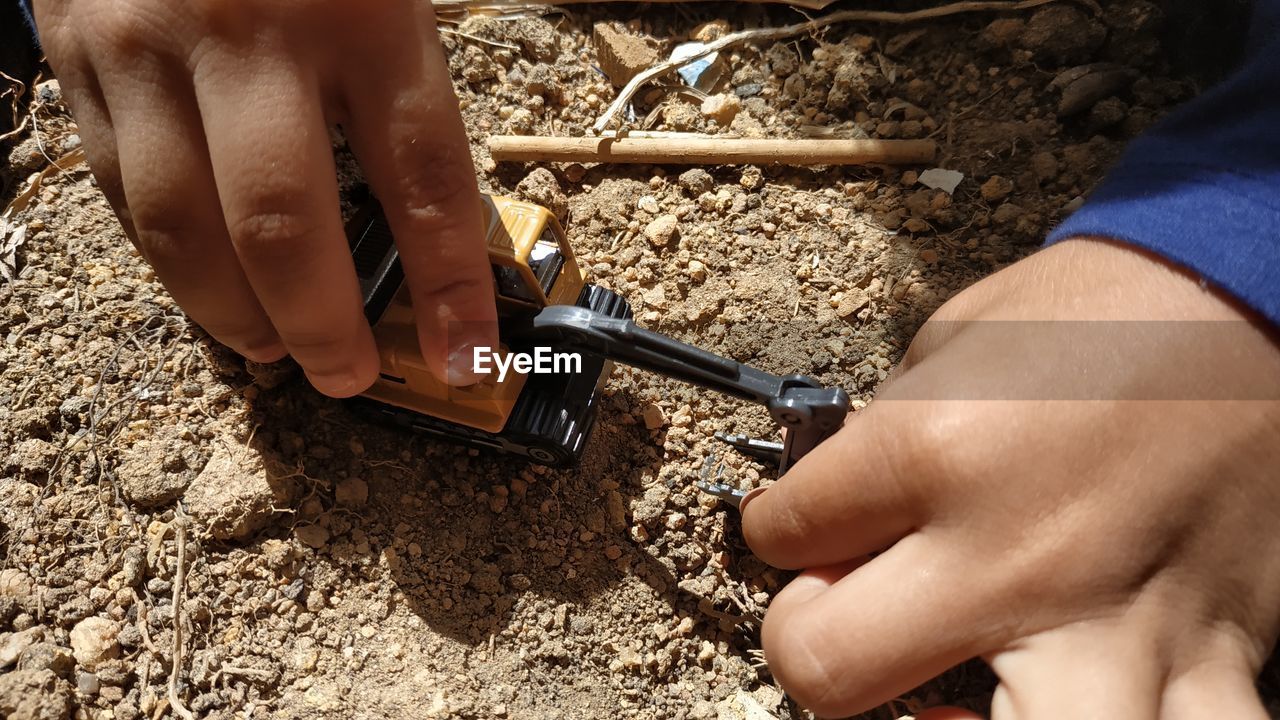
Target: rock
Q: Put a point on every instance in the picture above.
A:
(313, 536)
(996, 189)
(616, 510)
(1044, 165)
(18, 587)
(851, 302)
(87, 683)
(521, 121)
(709, 31)
(352, 492)
(696, 181)
(13, 644)
(542, 187)
(486, 578)
(49, 92)
(25, 158)
(542, 81)
(662, 230)
(622, 56)
(654, 417)
(1106, 113)
(477, 66)
(93, 641)
(1006, 214)
(682, 116)
(697, 270)
(1082, 87)
(1063, 34)
(35, 695)
(133, 569)
(32, 459)
(1002, 33)
(721, 108)
(649, 204)
(915, 225)
(152, 473)
(47, 656)
(237, 492)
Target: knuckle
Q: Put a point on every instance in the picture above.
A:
(267, 235)
(322, 343)
(451, 289)
(127, 29)
(162, 238)
(432, 201)
(936, 444)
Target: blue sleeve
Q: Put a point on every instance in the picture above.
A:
(24, 6)
(1202, 188)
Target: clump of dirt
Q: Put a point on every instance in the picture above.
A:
(336, 568)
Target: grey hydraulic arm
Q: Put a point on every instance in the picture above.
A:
(809, 412)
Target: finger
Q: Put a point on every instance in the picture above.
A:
(842, 644)
(173, 202)
(845, 498)
(83, 94)
(273, 165)
(1097, 669)
(1213, 689)
(405, 128)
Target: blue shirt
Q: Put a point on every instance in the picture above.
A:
(1202, 187)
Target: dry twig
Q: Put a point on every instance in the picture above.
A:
(179, 595)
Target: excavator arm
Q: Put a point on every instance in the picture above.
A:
(807, 411)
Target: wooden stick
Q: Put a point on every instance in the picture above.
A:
(710, 150)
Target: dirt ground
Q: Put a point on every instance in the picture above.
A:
(338, 569)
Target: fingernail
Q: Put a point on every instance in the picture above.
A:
(461, 370)
(755, 493)
(339, 384)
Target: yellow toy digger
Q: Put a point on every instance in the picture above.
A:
(544, 301)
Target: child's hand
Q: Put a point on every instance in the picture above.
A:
(207, 126)
(1113, 557)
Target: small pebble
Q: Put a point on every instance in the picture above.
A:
(654, 417)
(313, 536)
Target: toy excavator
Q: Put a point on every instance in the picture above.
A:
(544, 301)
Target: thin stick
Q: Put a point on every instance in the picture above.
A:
(704, 150)
(477, 38)
(179, 582)
(624, 95)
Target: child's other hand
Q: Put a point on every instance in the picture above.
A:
(1114, 557)
(207, 126)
